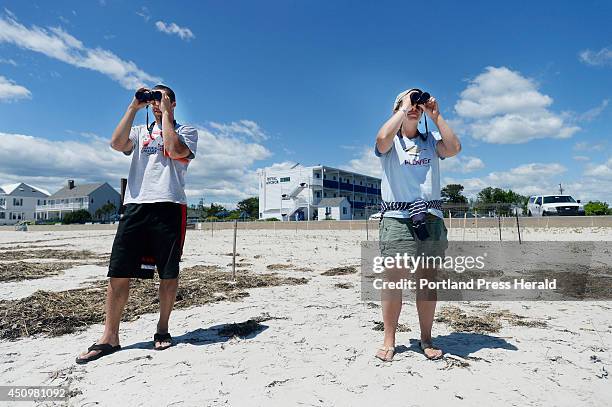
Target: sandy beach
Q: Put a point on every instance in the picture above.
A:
(315, 342)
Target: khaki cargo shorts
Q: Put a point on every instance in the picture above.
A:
(397, 236)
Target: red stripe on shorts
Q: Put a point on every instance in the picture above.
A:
(183, 226)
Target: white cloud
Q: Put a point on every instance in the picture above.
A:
(596, 58)
(587, 146)
(590, 190)
(223, 171)
(9, 90)
(8, 61)
(591, 114)
(581, 158)
(501, 106)
(183, 32)
(460, 163)
(144, 13)
(10, 13)
(526, 179)
(366, 163)
(223, 168)
(282, 166)
(58, 44)
(600, 170)
(243, 127)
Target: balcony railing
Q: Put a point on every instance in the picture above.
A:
(70, 206)
(317, 182)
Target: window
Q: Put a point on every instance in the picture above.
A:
(334, 177)
(344, 211)
(318, 194)
(285, 179)
(327, 210)
(2, 215)
(317, 175)
(2, 201)
(531, 199)
(325, 195)
(539, 201)
(18, 202)
(559, 199)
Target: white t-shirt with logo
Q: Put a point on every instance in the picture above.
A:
(155, 177)
(410, 171)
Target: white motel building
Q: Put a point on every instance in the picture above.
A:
(317, 193)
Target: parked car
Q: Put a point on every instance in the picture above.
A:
(554, 205)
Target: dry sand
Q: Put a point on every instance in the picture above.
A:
(317, 348)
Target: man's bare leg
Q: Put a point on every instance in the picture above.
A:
(116, 297)
(167, 296)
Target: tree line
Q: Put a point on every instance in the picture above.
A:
(502, 201)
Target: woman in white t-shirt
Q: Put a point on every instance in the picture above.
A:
(412, 221)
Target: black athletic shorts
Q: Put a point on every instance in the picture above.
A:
(149, 236)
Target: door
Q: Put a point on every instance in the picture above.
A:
(538, 206)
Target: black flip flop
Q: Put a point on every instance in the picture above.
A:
(104, 348)
(162, 338)
(428, 345)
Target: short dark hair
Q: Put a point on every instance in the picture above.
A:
(169, 91)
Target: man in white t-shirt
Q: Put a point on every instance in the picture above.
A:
(411, 221)
(151, 232)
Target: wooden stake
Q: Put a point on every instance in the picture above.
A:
(234, 251)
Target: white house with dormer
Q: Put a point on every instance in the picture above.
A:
(18, 202)
(73, 197)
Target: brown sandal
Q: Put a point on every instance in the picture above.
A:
(384, 350)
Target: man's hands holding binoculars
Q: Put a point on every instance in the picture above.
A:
(145, 96)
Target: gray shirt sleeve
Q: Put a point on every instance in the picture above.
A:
(189, 136)
(436, 138)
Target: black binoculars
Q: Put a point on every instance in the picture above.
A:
(146, 95)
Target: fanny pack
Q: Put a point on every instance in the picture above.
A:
(417, 211)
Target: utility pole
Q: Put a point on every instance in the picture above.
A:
(560, 189)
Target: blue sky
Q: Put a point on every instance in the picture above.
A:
(526, 86)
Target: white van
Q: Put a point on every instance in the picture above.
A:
(551, 205)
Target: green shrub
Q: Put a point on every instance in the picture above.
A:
(80, 216)
(594, 208)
